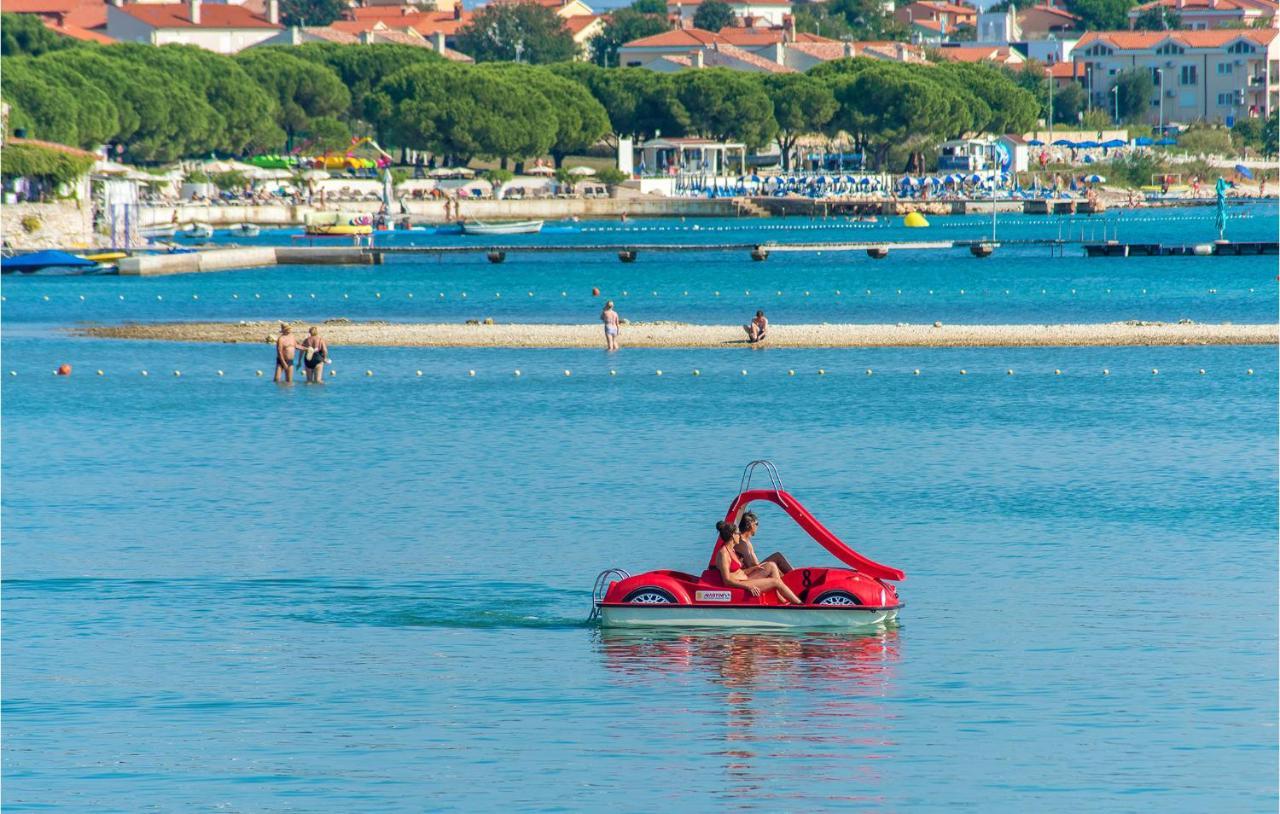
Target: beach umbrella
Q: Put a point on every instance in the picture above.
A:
(1113, 143)
(1143, 141)
(1094, 179)
(388, 191)
(1062, 142)
(755, 178)
(542, 169)
(1088, 145)
(581, 171)
(1221, 220)
(1035, 142)
(1245, 171)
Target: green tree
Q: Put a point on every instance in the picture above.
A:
(463, 113)
(1102, 15)
(801, 104)
(623, 26)
(48, 108)
(1158, 18)
(639, 102)
(1136, 90)
(1271, 136)
(310, 12)
(328, 134)
(868, 19)
(516, 32)
(713, 15)
(361, 69)
(649, 7)
(817, 18)
(885, 105)
(1012, 109)
(1069, 102)
(26, 34)
(302, 89)
(96, 117)
(726, 104)
(580, 119)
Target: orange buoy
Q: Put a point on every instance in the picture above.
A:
(64, 370)
(595, 292)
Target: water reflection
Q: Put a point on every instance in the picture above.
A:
(782, 713)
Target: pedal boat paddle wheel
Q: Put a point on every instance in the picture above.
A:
(856, 597)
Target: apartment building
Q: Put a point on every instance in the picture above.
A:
(1215, 75)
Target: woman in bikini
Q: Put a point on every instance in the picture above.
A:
(747, 528)
(759, 578)
(316, 350)
(610, 319)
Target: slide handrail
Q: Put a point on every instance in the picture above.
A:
(820, 533)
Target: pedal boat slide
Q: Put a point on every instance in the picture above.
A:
(855, 598)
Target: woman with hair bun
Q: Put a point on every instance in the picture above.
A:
(764, 578)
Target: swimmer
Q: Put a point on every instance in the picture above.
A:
(286, 345)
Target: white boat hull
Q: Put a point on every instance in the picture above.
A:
(522, 228)
(773, 617)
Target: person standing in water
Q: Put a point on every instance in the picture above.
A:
(317, 351)
(286, 346)
(610, 319)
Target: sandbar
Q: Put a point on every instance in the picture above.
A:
(684, 335)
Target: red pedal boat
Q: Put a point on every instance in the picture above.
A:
(857, 597)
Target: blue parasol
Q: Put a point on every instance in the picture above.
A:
(1035, 142)
(1143, 141)
(1114, 142)
(1245, 171)
(1063, 142)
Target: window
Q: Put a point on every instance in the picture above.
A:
(1224, 68)
(1225, 99)
(1241, 48)
(1188, 76)
(1170, 48)
(1098, 51)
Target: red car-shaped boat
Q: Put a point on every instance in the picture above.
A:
(858, 596)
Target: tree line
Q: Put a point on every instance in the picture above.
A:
(158, 104)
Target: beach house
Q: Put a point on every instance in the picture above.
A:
(221, 27)
(1215, 75)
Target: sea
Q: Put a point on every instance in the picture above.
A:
(222, 594)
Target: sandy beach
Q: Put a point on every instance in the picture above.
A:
(683, 335)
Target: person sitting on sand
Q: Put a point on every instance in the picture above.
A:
(759, 578)
(317, 350)
(610, 319)
(757, 328)
(286, 345)
(747, 528)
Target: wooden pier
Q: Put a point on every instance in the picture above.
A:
(1221, 248)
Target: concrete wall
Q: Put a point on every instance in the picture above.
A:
(432, 211)
(63, 225)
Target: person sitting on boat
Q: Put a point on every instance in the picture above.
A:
(756, 579)
(757, 328)
(747, 528)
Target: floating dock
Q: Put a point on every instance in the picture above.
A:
(1220, 248)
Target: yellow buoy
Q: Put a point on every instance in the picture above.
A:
(915, 220)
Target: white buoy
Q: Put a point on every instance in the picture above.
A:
(1201, 371)
(46, 298)
(233, 296)
(868, 371)
(517, 373)
(1057, 372)
(1154, 371)
(409, 295)
(259, 372)
(144, 373)
(418, 372)
(290, 296)
(497, 295)
(821, 372)
(916, 372)
(177, 373)
(1009, 372)
(122, 296)
(13, 373)
(613, 373)
(659, 373)
(471, 373)
(1106, 372)
(567, 373)
(697, 372)
(220, 373)
(791, 373)
(100, 373)
(1249, 372)
(368, 373)
(964, 372)
(376, 294)
(193, 296)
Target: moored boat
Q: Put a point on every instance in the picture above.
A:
(519, 227)
(245, 230)
(338, 223)
(858, 597)
(197, 231)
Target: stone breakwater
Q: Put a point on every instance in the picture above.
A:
(681, 335)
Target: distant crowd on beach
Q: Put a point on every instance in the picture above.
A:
(311, 355)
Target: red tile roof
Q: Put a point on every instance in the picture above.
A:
(755, 60)
(1066, 70)
(212, 15)
(671, 4)
(752, 37)
(977, 54)
(425, 23)
(78, 33)
(1048, 9)
(578, 23)
(679, 38)
(825, 51)
(1144, 40)
(78, 13)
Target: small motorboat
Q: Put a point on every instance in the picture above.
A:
(518, 227)
(197, 231)
(158, 232)
(857, 597)
(337, 224)
(245, 230)
(48, 259)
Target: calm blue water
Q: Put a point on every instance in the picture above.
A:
(226, 595)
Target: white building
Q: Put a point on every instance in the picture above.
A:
(220, 27)
(753, 12)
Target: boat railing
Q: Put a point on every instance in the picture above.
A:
(772, 471)
(601, 587)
